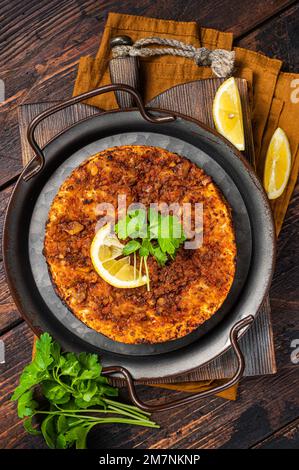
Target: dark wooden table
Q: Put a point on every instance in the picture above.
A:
(40, 44)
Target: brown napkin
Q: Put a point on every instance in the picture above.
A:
(158, 73)
(271, 103)
(284, 113)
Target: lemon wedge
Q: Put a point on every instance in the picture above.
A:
(277, 164)
(227, 113)
(110, 264)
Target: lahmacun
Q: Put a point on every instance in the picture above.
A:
(184, 293)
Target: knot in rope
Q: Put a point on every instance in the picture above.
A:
(220, 60)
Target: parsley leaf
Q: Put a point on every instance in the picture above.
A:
(160, 256)
(29, 427)
(75, 396)
(71, 366)
(26, 404)
(131, 247)
(159, 236)
(55, 392)
(43, 357)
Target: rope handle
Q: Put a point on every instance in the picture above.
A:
(221, 61)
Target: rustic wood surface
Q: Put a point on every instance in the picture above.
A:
(40, 43)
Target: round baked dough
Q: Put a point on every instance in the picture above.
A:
(185, 292)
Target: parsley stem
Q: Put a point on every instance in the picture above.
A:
(137, 413)
(65, 386)
(149, 424)
(134, 255)
(125, 405)
(72, 414)
(114, 407)
(147, 274)
(128, 413)
(94, 420)
(132, 412)
(140, 266)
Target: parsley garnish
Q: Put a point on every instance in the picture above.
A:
(76, 397)
(157, 235)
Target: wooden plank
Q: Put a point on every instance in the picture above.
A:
(284, 293)
(36, 24)
(4, 198)
(42, 41)
(18, 347)
(10, 151)
(277, 38)
(9, 316)
(51, 126)
(285, 438)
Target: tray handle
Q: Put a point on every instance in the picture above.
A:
(168, 405)
(39, 154)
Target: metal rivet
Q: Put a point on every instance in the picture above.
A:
(121, 41)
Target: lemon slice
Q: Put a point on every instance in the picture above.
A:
(227, 113)
(107, 259)
(277, 165)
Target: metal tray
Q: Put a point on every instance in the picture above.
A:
(27, 212)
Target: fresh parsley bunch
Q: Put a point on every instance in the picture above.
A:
(74, 396)
(157, 235)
